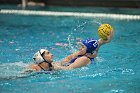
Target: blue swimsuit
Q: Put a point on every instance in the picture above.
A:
(72, 61)
(91, 44)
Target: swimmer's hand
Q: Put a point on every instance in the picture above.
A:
(109, 38)
(56, 65)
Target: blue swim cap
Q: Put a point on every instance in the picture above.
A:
(91, 45)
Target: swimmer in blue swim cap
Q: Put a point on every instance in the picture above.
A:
(91, 45)
(85, 55)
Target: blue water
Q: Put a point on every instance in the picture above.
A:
(115, 71)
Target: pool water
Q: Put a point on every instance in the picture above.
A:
(116, 69)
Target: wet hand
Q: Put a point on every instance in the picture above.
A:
(56, 65)
(109, 37)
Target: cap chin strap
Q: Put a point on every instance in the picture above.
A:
(50, 65)
(42, 56)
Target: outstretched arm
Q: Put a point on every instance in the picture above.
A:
(69, 57)
(80, 62)
(81, 51)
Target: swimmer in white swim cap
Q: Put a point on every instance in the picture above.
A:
(43, 60)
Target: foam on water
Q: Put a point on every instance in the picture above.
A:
(71, 39)
(12, 70)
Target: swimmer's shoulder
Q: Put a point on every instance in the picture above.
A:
(34, 67)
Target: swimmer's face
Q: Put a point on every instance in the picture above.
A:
(48, 56)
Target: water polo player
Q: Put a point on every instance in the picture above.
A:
(43, 61)
(88, 51)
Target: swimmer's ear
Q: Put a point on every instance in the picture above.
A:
(34, 59)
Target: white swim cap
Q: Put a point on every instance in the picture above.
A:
(38, 58)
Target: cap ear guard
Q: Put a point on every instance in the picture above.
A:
(42, 51)
(37, 57)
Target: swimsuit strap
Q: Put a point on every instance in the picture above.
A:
(41, 67)
(90, 58)
(72, 61)
(86, 56)
(50, 67)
